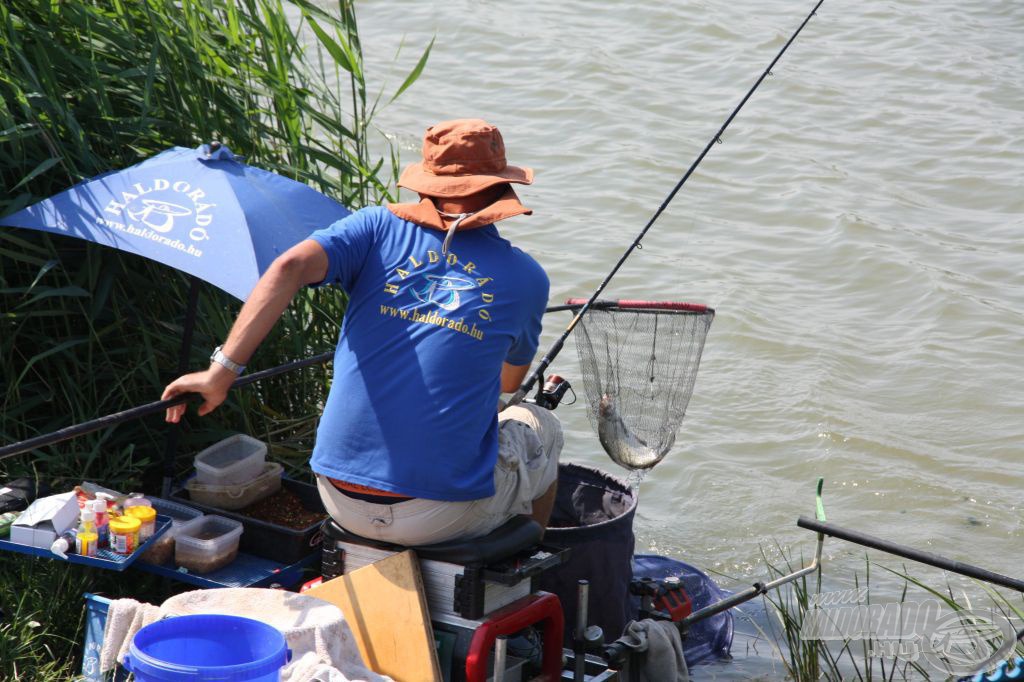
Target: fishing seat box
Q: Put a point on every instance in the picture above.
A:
(463, 579)
(268, 540)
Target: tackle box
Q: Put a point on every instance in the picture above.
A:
(270, 540)
(232, 461)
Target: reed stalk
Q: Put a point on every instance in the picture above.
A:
(96, 85)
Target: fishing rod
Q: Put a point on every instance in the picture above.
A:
(969, 570)
(556, 348)
(116, 418)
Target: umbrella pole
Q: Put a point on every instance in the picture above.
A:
(174, 430)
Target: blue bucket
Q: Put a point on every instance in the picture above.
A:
(207, 647)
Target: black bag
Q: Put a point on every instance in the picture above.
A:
(593, 516)
(20, 493)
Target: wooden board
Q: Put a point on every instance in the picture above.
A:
(386, 607)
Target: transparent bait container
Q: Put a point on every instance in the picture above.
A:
(207, 543)
(232, 461)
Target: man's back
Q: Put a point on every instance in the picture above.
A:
(417, 369)
(443, 315)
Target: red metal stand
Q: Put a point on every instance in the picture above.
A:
(540, 607)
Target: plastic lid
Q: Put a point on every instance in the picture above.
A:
(124, 524)
(88, 515)
(141, 513)
(99, 506)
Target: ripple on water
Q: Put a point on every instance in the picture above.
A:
(858, 233)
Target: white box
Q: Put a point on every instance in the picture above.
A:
(45, 519)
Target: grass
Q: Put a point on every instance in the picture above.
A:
(852, 659)
(95, 85)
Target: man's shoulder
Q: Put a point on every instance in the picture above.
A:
(530, 265)
(375, 214)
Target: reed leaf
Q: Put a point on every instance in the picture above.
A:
(91, 86)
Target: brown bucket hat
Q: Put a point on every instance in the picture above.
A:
(461, 157)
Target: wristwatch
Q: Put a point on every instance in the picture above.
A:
(224, 360)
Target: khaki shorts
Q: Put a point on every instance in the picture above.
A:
(529, 443)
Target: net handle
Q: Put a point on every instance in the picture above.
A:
(629, 304)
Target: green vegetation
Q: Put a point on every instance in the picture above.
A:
(852, 659)
(95, 85)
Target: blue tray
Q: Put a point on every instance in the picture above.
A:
(245, 571)
(104, 558)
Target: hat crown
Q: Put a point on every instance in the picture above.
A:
(466, 146)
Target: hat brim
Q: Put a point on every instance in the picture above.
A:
(422, 181)
(425, 212)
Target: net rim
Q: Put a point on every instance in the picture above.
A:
(678, 307)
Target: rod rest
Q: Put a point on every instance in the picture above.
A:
(517, 534)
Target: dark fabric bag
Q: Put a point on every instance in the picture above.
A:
(18, 494)
(593, 517)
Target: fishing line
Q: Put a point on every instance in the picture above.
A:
(556, 348)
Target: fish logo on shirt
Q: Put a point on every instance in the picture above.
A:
(443, 290)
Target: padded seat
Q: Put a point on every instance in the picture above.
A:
(516, 535)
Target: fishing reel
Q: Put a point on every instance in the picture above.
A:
(551, 393)
(663, 599)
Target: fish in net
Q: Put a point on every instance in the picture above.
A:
(639, 361)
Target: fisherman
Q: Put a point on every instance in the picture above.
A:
(444, 314)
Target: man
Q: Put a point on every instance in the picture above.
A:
(443, 315)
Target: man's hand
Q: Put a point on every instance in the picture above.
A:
(213, 385)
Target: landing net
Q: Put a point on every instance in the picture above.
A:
(639, 361)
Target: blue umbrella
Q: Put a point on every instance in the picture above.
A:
(201, 211)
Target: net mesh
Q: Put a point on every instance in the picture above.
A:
(639, 366)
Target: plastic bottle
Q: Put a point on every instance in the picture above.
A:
(147, 520)
(64, 544)
(124, 534)
(87, 540)
(99, 506)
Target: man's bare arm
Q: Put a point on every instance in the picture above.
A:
(304, 263)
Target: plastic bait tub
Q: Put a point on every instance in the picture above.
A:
(162, 550)
(207, 543)
(237, 496)
(232, 461)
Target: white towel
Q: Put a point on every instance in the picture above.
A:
(125, 617)
(317, 633)
(311, 667)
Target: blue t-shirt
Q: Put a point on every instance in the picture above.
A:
(417, 370)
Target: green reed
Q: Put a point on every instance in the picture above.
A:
(95, 85)
(852, 659)
(91, 86)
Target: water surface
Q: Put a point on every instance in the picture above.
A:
(858, 232)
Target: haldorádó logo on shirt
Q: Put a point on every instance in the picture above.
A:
(448, 291)
(443, 290)
(170, 207)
